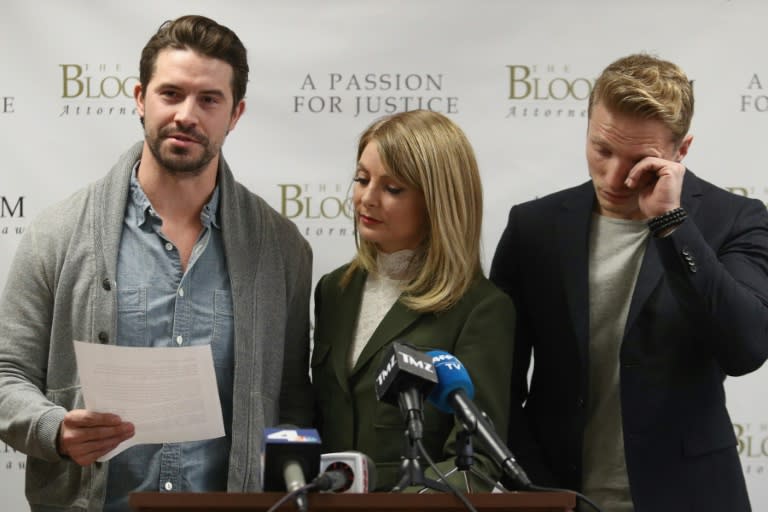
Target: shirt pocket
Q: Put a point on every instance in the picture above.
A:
(222, 337)
(132, 317)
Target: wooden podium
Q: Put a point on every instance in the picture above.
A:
(373, 502)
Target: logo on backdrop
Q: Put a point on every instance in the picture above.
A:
(377, 94)
(97, 91)
(752, 441)
(10, 459)
(318, 209)
(11, 215)
(7, 105)
(550, 91)
(755, 98)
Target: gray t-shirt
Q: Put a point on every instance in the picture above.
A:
(616, 250)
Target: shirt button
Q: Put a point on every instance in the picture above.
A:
(179, 340)
(106, 284)
(168, 246)
(103, 337)
(181, 292)
(168, 486)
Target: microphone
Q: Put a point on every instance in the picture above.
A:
(453, 394)
(291, 456)
(346, 472)
(404, 377)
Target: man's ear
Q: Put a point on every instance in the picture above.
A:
(682, 151)
(236, 113)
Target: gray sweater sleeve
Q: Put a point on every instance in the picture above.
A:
(296, 401)
(29, 421)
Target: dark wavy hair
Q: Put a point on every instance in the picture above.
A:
(201, 35)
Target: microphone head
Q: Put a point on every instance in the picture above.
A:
(334, 480)
(289, 445)
(358, 469)
(403, 368)
(452, 376)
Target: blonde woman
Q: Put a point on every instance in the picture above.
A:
(416, 277)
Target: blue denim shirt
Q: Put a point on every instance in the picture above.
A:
(160, 305)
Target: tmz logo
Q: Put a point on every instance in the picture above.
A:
(406, 360)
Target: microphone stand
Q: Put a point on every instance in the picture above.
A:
(411, 472)
(465, 460)
(465, 454)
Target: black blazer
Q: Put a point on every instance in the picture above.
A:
(478, 330)
(699, 312)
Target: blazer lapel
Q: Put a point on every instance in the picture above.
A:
(651, 269)
(397, 319)
(346, 312)
(647, 280)
(573, 235)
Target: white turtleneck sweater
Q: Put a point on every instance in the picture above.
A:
(381, 291)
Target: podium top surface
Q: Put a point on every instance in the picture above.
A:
(373, 502)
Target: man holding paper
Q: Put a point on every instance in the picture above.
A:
(167, 250)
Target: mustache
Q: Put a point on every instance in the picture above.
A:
(187, 131)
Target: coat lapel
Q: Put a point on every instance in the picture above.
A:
(346, 311)
(112, 198)
(573, 236)
(651, 269)
(397, 320)
(647, 280)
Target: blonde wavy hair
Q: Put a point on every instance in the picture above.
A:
(645, 86)
(427, 151)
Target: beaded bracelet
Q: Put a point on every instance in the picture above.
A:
(667, 220)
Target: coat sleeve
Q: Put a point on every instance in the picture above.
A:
(725, 286)
(521, 438)
(484, 346)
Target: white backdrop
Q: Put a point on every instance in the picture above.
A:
(513, 74)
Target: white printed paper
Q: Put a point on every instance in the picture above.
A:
(168, 393)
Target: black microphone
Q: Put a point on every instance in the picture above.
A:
(348, 472)
(332, 481)
(453, 394)
(291, 457)
(404, 377)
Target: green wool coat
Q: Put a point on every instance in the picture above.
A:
(478, 330)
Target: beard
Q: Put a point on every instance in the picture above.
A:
(179, 160)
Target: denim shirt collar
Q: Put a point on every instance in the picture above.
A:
(145, 212)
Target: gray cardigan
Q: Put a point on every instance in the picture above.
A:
(61, 287)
